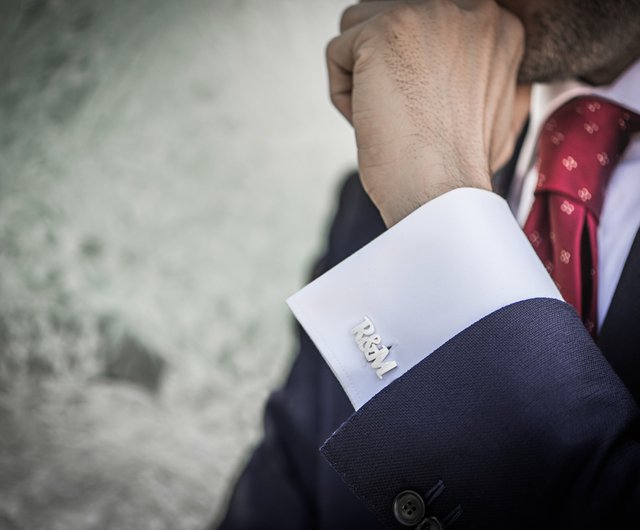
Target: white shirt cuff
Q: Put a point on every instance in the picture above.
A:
(450, 263)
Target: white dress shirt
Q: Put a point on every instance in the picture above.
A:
(454, 261)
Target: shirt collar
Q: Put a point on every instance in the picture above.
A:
(546, 98)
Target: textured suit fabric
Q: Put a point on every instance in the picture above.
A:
(520, 417)
(518, 422)
(620, 335)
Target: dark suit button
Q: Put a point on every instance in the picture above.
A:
(430, 523)
(408, 507)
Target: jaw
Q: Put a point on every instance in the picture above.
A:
(568, 39)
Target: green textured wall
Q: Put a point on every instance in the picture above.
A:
(166, 169)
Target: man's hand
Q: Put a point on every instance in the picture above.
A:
(430, 88)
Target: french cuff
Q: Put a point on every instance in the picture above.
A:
(455, 260)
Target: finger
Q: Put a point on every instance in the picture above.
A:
(359, 13)
(340, 62)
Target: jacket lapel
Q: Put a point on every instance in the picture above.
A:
(620, 335)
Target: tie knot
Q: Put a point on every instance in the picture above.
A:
(579, 146)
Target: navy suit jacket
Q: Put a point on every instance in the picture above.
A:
(518, 422)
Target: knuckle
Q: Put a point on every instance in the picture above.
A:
(519, 30)
(487, 6)
(330, 49)
(515, 31)
(348, 17)
(401, 16)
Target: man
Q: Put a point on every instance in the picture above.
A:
(482, 399)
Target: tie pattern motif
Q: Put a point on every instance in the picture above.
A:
(578, 148)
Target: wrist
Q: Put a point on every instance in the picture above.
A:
(399, 191)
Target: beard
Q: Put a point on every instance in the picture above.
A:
(586, 39)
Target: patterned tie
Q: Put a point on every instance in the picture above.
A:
(578, 148)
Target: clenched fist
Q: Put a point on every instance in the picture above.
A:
(430, 88)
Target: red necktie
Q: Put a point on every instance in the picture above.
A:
(578, 148)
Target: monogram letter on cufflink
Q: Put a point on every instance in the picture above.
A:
(368, 343)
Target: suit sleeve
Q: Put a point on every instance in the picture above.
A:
(515, 420)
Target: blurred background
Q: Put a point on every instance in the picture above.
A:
(166, 173)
